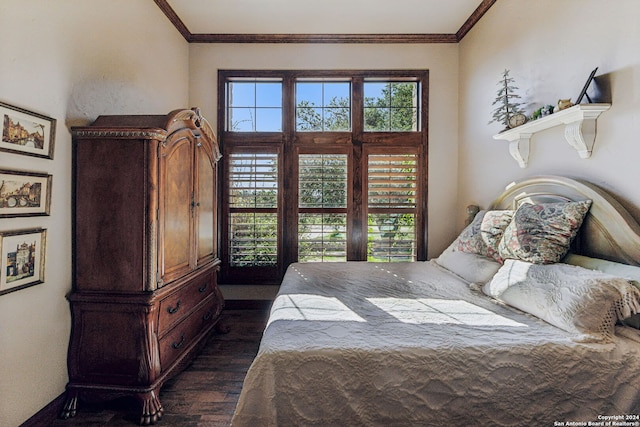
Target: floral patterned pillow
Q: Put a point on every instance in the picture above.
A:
(470, 240)
(484, 233)
(542, 233)
(492, 229)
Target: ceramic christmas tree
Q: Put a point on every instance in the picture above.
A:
(506, 106)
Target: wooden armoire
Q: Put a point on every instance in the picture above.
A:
(144, 295)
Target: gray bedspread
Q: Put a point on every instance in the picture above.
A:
(409, 344)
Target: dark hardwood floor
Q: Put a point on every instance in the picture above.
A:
(204, 394)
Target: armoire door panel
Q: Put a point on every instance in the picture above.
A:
(206, 206)
(99, 232)
(178, 198)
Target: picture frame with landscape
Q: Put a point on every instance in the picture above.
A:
(25, 132)
(24, 193)
(22, 258)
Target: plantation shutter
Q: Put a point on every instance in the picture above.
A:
(253, 202)
(391, 206)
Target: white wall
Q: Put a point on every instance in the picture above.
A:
(551, 46)
(440, 59)
(71, 60)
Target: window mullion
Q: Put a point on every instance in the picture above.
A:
(357, 108)
(288, 202)
(357, 244)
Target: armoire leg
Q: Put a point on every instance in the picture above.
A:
(151, 408)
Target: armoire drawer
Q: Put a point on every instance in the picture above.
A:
(183, 335)
(177, 306)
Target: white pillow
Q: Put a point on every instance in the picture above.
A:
(472, 268)
(510, 273)
(629, 272)
(585, 302)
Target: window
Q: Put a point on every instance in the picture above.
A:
(391, 205)
(322, 201)
(253, 202)
(321, 166)
(390, 106)
(323, 106)
(254, 106)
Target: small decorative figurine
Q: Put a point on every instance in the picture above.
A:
(517, 120)
(563, 104)
(542, 112)
(546, 110)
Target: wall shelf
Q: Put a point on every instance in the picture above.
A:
(579, 130)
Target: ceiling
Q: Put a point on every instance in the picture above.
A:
(328, 21)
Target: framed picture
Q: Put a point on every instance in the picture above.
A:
(24, 193)
(22, 255)
(25, 132)
(583, 92)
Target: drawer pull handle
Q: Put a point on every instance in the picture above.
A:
(177, 345)
(203, 288)
(207, 315)
(173, 310)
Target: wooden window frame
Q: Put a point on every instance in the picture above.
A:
(289, 143)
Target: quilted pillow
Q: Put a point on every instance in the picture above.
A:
(484, 234)
(585, 302)
(542, 233)
(629, 272)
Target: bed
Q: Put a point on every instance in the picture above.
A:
(464, 339)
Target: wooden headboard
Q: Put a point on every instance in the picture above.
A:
(608, 231)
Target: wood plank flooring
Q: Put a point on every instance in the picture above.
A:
(203, 395)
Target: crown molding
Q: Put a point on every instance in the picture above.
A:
(174, 18)
(324, 38)
(474, 18)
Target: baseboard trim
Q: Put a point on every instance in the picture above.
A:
(248, 304)
(46, 415)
